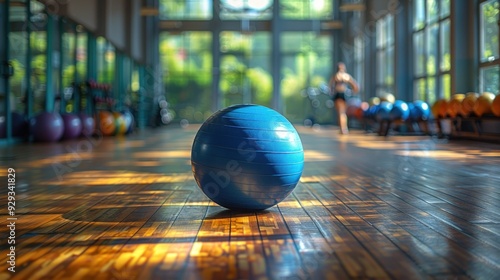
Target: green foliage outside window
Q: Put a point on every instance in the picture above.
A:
(489, 30)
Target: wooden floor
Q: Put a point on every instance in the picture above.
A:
(367, 207)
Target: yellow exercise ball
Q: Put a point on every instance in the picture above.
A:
(388, 97)
(374, 101)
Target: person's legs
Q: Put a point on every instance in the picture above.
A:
(341, 113)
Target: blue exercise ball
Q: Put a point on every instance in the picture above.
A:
(420, 110)
(370, 113)
(384, 111)
(400, 111)
(247, 157)
(47, 127)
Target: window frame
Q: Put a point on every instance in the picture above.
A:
(439, 74)
(484, 64)
(384, 49)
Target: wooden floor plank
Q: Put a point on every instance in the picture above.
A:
(317, 257)
(344, 244)
(483, 256)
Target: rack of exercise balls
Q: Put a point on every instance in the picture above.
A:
(384, 114)
(55, 126)
(469, 115)
(49, 126)
(109, 120)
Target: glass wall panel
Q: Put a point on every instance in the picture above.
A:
(246, 9)
(100, 50)
(489, 55)
(245, 68)
(305, 71)
(18, 49)
(445, 8)
(419, 53)
(38, 71)
(446, 86)
(306, 9)
(490, 79)
(431, 90)
(186, 59)
(134, 88)
(445, 46)
(418, 14)
(431, 49)
(419, 90)
(105, 61)
(359, 63)
(68, 44)
(185, 9)
(489, 30)
(432, 11)
(385, 55)
(81, 53)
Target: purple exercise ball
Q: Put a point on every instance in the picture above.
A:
(20, 125)
(47, 127)
(88, 124)
(72, 126)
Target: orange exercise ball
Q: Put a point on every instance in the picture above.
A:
(483, 103)
(468, 103)
(439, 108)
(455, 105)
(106, 123)
(495, 106)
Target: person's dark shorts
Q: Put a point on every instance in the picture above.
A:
(339, 95)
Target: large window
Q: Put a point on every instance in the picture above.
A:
(489, 73)
(28, 82)
(306, 66)
(245, 68)
(18, 40)
(81, 53)
(359, 64)
(187, 73)
(431, 49)
(385, 55)
(240, 38)
(39, 72)
(105, 61)
(68, 48)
